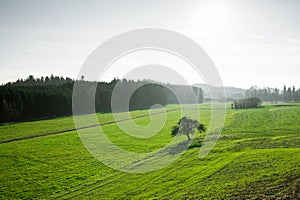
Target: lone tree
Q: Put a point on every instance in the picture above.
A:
(187, 126)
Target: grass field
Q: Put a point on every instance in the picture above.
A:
(256, 157)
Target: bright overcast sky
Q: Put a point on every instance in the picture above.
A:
(254, 42)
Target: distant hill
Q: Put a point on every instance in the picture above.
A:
(231, 92)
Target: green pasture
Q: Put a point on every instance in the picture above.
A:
(256, 157)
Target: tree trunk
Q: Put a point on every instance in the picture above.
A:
(188, 136)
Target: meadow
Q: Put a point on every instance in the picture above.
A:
(256, 157)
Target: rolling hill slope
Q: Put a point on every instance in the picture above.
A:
(257, 157)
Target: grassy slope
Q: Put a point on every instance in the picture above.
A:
(256, 156)
(17, 130)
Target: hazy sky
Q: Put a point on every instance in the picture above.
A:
(254, 42)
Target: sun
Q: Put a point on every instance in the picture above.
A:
(214, 16)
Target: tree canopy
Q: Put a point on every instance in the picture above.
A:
(252, 102)
(187, 126)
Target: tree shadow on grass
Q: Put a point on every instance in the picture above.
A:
(185, 145)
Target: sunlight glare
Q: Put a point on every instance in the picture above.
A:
(214, 17)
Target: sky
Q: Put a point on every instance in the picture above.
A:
(251, 42)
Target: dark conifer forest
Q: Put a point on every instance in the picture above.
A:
(45, 97)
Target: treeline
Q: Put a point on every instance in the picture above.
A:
(252, 102)
(42, 81)
(288, 94)
(46, 97)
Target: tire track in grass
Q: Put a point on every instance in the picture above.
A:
(90, 188)
(87, 188)
(84, 127)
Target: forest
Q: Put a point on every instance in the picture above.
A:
(45, 97)
(288, 94)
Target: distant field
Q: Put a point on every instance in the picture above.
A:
(23, 129)
(256, 157)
